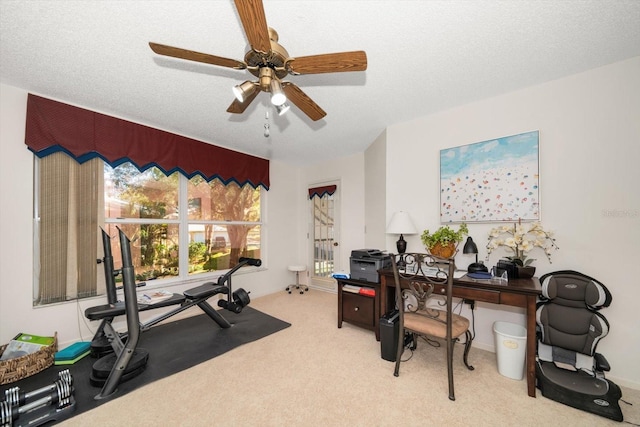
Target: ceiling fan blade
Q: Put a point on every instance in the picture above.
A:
(255, 24)
(328, 63)
(302, 101)
(190, 55)
(238, 107)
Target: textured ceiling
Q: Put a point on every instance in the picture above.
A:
(423, 57)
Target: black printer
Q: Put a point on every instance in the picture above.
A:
(365, 264)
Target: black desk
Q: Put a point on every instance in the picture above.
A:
(518, 293)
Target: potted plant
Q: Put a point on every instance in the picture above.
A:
(444, 241)
(520, 239)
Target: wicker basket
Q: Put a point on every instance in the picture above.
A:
(443, 251)
(15, 369)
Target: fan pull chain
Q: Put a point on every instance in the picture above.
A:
(266, 124)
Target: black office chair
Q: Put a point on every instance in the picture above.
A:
(568, 369)
(419, 279)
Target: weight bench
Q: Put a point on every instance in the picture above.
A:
(101, 344)
(119, 361)
(196, 296)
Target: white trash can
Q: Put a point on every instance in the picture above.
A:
(511, 345)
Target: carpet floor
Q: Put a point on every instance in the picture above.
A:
(172, 347)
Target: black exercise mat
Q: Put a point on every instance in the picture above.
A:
(172, 347)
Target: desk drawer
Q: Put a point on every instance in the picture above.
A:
(484, 295)
(516, 300)
(358, 309)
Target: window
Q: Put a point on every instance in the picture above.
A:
(215, 224)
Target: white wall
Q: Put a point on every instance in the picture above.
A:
(375, 178)
(16, 252)
(589, 127)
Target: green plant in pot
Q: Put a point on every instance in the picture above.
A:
(444, 241)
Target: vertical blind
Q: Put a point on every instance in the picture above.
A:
(69, 193)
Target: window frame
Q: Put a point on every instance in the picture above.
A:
(183, 222)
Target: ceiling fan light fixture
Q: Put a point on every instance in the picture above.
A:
(268, 60)
(242, 91)
(277, 95)
(281, 109)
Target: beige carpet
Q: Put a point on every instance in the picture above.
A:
(314, 374)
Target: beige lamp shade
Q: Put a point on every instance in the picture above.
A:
(401, 224)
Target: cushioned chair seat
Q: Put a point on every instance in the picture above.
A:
(436, 327)
(580, 390)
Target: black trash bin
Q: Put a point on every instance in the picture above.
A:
(389, 330)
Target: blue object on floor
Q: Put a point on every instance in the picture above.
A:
(73, 351)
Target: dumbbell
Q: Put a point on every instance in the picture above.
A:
(240, 300)
(15, 406)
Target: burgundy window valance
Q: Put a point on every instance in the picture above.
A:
(53, 126)
(321, 191)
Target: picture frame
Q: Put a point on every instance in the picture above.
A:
(491, 181)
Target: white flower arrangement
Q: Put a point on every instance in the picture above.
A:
(521, 239)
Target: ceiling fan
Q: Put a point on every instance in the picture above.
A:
(270, 63)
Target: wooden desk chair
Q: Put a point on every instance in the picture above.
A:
(419, 279)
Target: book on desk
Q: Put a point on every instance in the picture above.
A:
(361, 290)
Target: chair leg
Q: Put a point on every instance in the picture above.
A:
(399, 351)
(302, 288)
(467, 347)
(450, 368)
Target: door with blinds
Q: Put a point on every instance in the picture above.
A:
(323, 235)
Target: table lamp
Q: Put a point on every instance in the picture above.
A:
(401, 224)
(470, 247)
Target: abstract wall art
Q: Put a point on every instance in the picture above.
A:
(491, 181)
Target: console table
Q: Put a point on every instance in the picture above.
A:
(517, 293)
